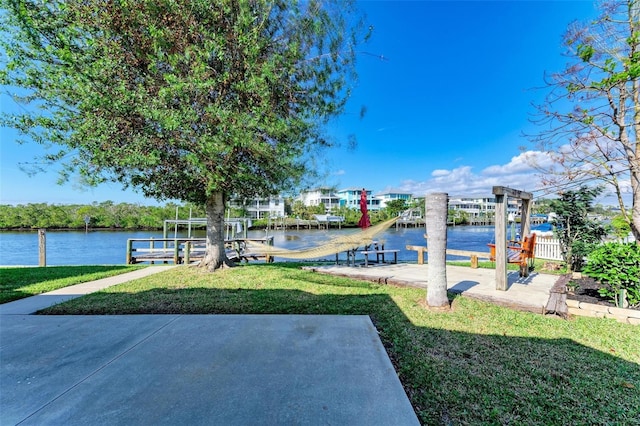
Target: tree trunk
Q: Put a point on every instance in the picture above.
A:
(635, 209)
(436, 205)
(215, 256)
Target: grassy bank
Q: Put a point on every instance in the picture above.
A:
(478, 364)
(18, 283)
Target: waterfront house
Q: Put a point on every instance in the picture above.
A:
(260, 208)
(385, 197)
(350, 197)
(321, 195)
(482, 207)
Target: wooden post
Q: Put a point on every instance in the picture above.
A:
(187, 252)
(501, 194)
(525, 219)
(129, 251)
(474, 261)
(176, 252)
(164, 234)
(42, 247)
(501, 242)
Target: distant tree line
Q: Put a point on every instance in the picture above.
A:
(107, 215)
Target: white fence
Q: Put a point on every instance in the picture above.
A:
(548, 248)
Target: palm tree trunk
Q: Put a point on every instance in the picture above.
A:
(436, 205)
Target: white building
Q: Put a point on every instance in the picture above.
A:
(321, 195)
(385, 197)
(261, 208)
(482, 206)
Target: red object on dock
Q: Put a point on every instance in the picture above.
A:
(364, 221)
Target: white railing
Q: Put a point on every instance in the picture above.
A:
(628, 239)
(548, 248)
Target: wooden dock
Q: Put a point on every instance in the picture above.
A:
(186, 250)
(409, 223)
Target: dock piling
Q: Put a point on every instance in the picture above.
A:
(42, 247)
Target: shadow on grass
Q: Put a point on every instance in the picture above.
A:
(14, 280)
(451, 377)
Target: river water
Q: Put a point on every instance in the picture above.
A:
(109, 247)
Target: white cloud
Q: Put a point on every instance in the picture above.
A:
(521, 172)
(437, 173)
(523, 163)
(463, 181)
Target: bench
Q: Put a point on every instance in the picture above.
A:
(379, 255)
(472, 255)
(524, 254)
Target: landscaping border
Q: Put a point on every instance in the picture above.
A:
(583, 309)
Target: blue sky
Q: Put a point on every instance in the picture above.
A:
(447, 87)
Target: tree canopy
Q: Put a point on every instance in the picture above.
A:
(591, 117)
(182, 99)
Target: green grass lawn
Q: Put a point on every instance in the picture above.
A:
(477, 364)
(18, 283)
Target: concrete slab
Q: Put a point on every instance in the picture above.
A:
(198, 369)
(33, 304)
(529, 294)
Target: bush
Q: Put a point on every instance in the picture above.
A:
(579, 252)
(617, 267)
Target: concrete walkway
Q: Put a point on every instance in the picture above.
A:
(33, 304)
(197, 370)
(527, 294)
(192, 369)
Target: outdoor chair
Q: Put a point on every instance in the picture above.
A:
(522, 254)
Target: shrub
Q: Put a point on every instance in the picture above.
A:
(617, 267)
(573, 227)
(579, 252)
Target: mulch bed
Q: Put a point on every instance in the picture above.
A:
(586, 290)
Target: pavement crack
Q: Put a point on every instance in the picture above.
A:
(100, 368)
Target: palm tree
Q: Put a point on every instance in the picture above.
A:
(436, 221)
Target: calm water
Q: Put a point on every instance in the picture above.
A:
(109, 248)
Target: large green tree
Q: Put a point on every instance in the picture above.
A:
(591, 117)
(195, 100)
(395, 207)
